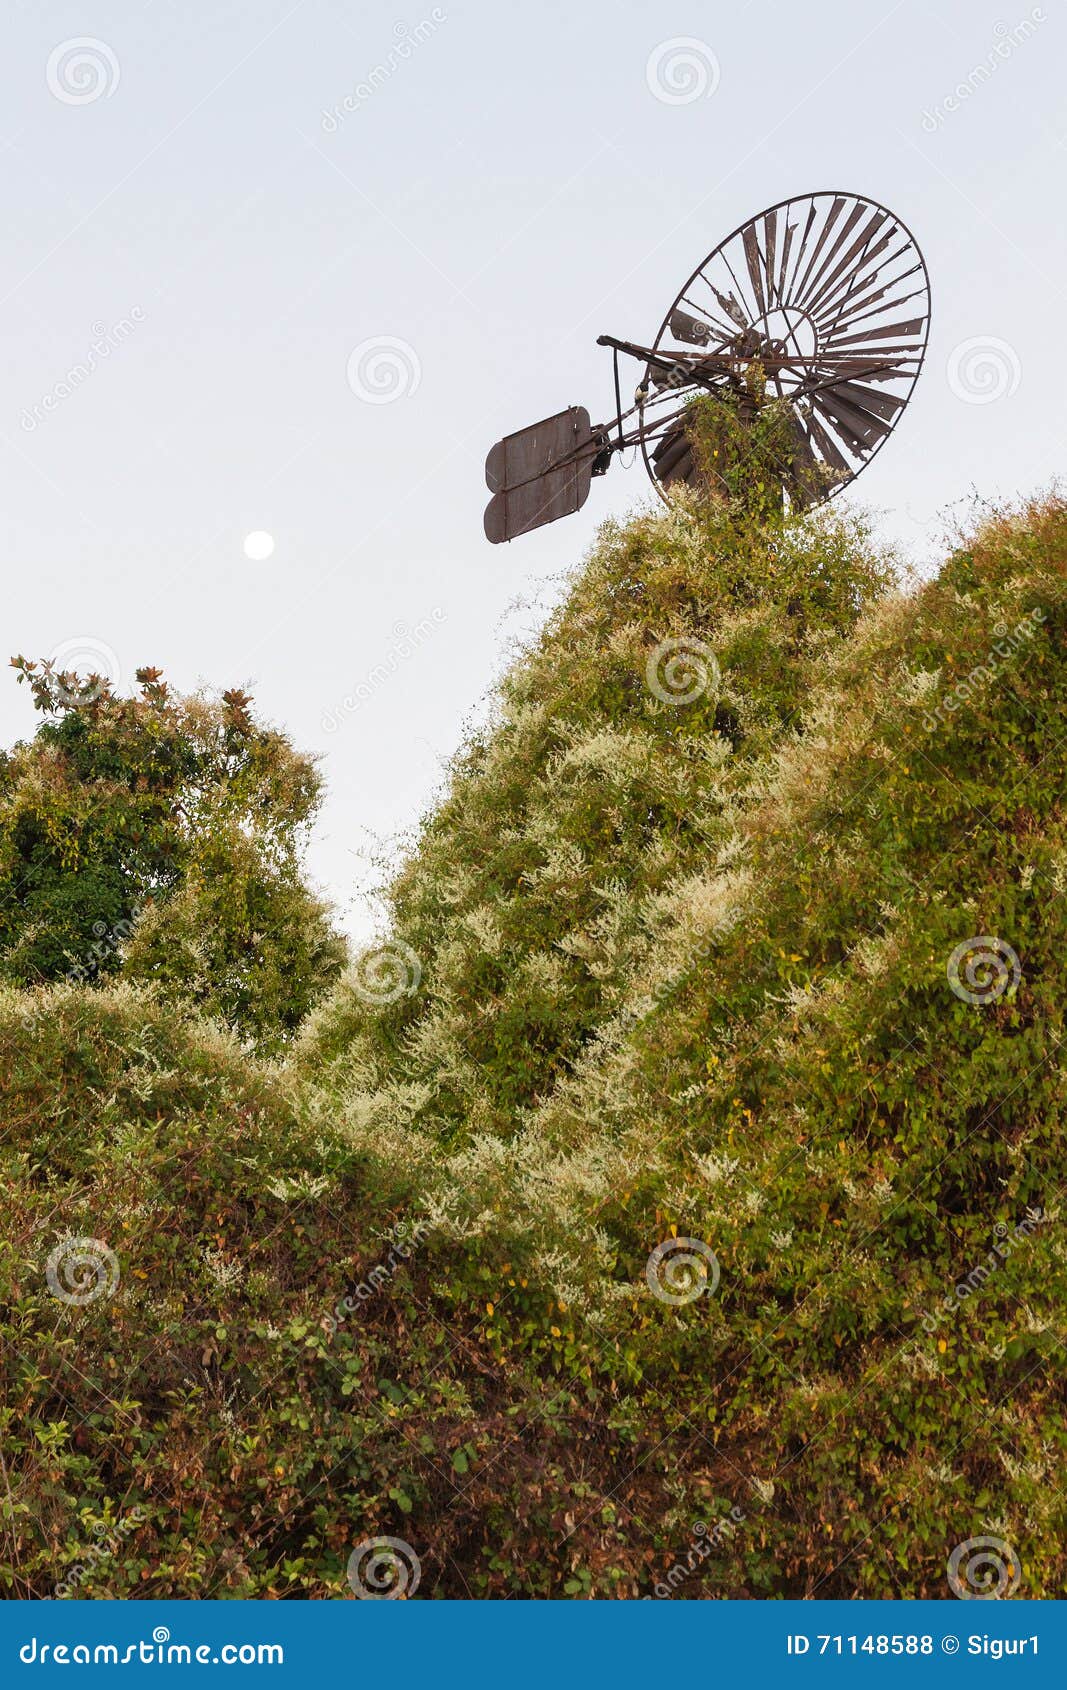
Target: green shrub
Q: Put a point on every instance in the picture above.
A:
(161, 837)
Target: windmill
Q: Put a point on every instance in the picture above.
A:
(815, 312)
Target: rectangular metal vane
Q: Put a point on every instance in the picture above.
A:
(539, 474)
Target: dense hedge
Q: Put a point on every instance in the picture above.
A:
(777, 970)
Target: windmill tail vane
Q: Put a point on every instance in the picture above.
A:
(819, 306)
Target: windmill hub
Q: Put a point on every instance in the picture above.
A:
(823, 299)
(786, 329)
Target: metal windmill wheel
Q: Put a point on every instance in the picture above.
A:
(820, 304)
(830, 293)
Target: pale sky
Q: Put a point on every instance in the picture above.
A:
(252, 284)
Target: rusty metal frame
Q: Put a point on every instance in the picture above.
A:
(845, 424)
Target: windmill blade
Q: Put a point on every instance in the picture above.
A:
(849, 420)
(732, 307)
(832, 318)
(860, 249)
(831, 218)
(790, 230)
(858, 255)
(914, 326)
(770, 227)
(855, 281)
(827, 446)
(873, 266)
(833, 315)
(788, 290)
(807, 485)
(754, 260)
(813, 280)
(853, 320)
(884, 405)
(723, 331)
(672, 449)
(846, 366)
(847, 435)
(690, 329)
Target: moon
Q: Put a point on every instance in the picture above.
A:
(259, 545)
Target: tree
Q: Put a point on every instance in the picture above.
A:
(162, 837)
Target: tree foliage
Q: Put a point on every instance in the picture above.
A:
(161, 837)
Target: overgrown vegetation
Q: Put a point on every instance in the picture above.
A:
(684, 953)
(749, 449)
